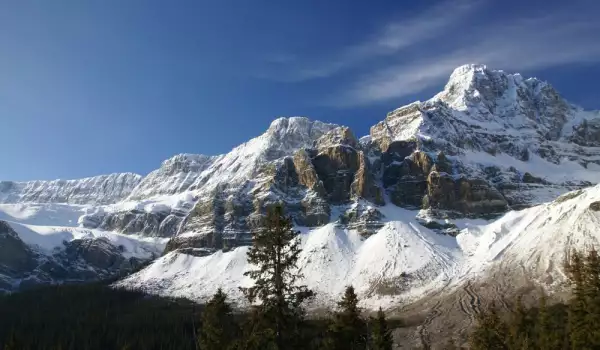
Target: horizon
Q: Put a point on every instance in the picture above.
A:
(98, 88)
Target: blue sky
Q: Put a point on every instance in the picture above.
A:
(101, 86)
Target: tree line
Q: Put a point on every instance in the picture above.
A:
(95, 316)
(563, 326)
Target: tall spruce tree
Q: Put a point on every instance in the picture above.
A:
(520, 326)
(256, 333)
(543, 325)
(218, 325)
(348, 330)
(381, 336)
(592, 293)
(578, 328)
(275, 251)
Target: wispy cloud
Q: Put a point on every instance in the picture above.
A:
(391, 38)
(419, 51)
(533, 43)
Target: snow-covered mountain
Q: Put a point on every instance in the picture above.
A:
(380, 212)
(103, 189)
(403, 260)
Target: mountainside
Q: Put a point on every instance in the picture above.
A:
(403, 260)
(103, 189)
(402, 212)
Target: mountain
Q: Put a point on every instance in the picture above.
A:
(103, 189)
(403, 260)
(403, 212)
(33, 255)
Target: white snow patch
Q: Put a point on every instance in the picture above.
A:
(48, 239)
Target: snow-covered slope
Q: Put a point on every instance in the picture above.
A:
(536, 240)
(34, 255)
(101, 189)
(50, 239)
(403, 259)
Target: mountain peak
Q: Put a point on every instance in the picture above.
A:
(302, 125)
(295, 132)
(474, 85)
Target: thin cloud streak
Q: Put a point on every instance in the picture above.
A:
(534, 43)
(391, 38)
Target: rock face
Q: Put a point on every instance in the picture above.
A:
(80, 260)
(466, 196)
(15, 256)
(332, 170)
(483, 120)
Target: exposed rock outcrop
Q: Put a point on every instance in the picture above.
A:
(466, 196)
(79, 260)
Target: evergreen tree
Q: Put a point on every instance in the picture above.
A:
(256, 334)
(543, 325)
(348, 330)
(381, 337)
(519, 326)
(218, 325)
(578, 328)
(275, 251)
(490, 333)
(592, 293)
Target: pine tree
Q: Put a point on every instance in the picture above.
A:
(381, 337)
(578, 328)
(218, 325)
(256, 335)
(490, 333)
(543, 324)
(348, 330)
(592, 293)
(275, 251)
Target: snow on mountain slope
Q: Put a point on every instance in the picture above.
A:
(49, 239)
(35, 255)
(491, 111)
(283, 138)
(175, 175)
(518, 135)
(202, 173)
(101, 189)
(401, 260)
(48, 214)
(536, 240)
